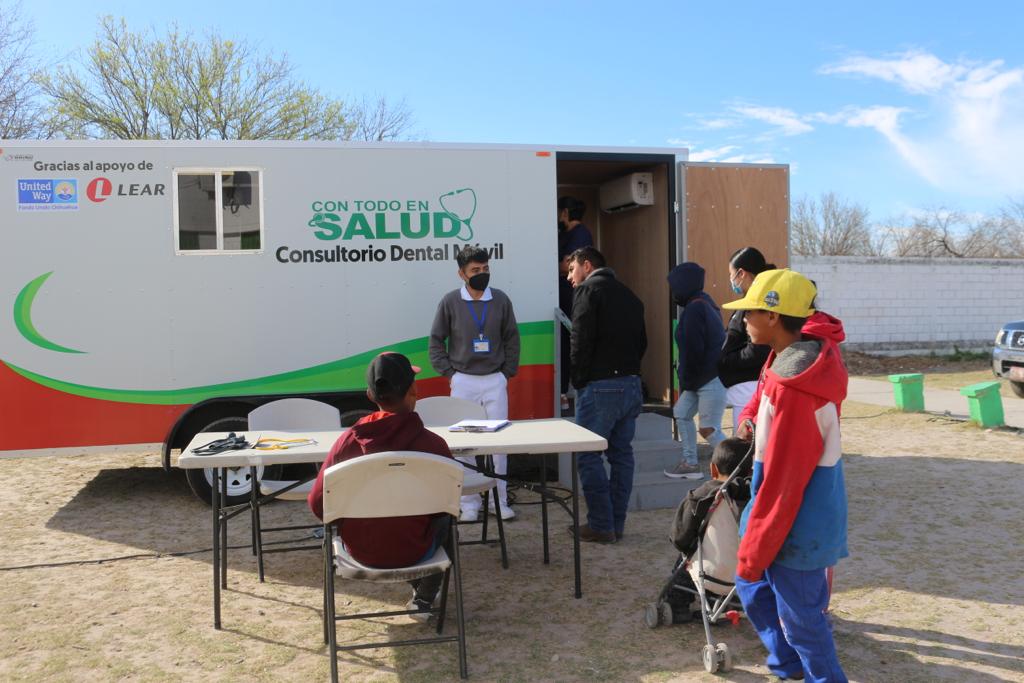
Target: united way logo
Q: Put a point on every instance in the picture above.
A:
(65, 191)
(47, 194)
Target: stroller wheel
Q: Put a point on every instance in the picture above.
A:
(710, 657)
(666, 614)
(724, 656)
(651, 615)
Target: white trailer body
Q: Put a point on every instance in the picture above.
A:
(154, 288)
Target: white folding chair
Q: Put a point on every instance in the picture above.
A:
(392, 484)
(444, 411)
(287, 414)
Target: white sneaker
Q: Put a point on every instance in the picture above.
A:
(684, 471)
(469, 514)
(423, 614)
(507, 513)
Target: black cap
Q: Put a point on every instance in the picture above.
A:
(389, 376)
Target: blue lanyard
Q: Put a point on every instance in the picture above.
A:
(479, 321)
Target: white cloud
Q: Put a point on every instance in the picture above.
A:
(727, 154)
(711, 154)
(748, 159)
(718, 124)
(788, 122)
(968, 135)
(915, 71)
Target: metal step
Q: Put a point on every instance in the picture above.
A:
(654, 451)
(655, 491)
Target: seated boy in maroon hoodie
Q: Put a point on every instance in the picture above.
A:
(388, 542)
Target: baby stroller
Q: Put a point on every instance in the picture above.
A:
(709, 572)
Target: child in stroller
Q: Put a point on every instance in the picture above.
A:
(705, 531)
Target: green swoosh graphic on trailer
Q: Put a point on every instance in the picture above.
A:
(23, 316)
(347, 374)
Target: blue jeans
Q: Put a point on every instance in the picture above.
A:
(787, 609)
(609, 407)
(709, 403)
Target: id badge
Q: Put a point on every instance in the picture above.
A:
(481, 345)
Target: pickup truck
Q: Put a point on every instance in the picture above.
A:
(1008, 355)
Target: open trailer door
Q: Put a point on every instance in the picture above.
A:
(726, 207)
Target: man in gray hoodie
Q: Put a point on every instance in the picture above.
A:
(474, 341)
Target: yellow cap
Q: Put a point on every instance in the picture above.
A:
(785, 292)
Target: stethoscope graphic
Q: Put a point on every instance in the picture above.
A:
(453, 196)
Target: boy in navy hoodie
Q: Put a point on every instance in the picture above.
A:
(794, 527)
(388, 542)
(699, 337)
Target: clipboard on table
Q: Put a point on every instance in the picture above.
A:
(478, 425)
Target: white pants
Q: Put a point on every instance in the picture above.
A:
(737, 397)
(490, 391)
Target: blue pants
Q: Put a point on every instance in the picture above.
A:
(709, 403)
(609, 407)
(787, 609)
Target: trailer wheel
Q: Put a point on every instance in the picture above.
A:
(350, 417)
(239, 479)
(1018, 388)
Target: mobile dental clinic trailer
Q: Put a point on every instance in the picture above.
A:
(151, 290)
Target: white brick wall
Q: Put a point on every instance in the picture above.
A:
(916, 303)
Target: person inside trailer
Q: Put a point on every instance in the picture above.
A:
(572, 235)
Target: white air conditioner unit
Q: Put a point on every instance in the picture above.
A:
(627, 192)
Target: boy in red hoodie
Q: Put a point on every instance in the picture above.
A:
(795, 524)
(389, 541)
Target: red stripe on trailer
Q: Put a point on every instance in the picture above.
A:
(34, 416)
(529, 393)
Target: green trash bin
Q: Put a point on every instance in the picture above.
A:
(909, 391)
(985, 403)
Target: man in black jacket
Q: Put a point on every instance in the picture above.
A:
(607, 343)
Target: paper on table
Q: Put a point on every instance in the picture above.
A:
(478, 425)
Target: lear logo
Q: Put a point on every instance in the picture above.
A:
(99, 189)
(450, 217)
(47, 194)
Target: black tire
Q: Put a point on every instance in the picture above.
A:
(1018, 388)
(305, 469)
(239, 483)
(350, 417)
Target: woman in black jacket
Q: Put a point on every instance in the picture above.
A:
(740, 364)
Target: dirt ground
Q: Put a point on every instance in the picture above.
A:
(105, 575)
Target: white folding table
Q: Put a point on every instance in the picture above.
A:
(552, 435)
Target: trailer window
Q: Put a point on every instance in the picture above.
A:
(218, 210)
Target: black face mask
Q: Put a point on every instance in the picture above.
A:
(562, 227)
(479, 281)
(680, 301)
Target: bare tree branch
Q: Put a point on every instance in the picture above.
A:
(379, 120)
(943, 233)
(21, 113)
(131, 85)
(831, 227)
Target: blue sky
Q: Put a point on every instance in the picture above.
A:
(896, 106)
